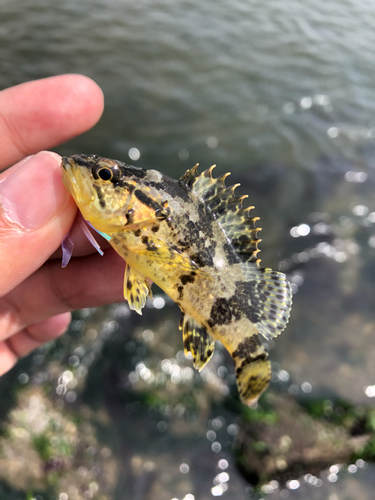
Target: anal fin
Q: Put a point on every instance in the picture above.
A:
(197, 341)
(136, 289)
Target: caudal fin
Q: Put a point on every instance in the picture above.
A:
(253, 369)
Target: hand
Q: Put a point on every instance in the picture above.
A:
(36, 212)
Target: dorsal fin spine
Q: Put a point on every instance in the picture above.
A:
(224, 206)
(209, 171)
(193, 171)
(223, 177)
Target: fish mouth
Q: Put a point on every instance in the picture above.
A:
(65, 163)
(77, 180)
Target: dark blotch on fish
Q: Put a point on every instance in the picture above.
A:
(246, 348)
(186, 278)
(220, 313)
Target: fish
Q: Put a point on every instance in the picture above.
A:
(195, 239)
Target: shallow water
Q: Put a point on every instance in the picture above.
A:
(283, 96)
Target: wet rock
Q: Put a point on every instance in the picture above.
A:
(282, 439)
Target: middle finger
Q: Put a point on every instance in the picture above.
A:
(86, 282)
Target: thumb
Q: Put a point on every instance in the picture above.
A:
(36, 212)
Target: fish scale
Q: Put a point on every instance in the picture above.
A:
(197, 242)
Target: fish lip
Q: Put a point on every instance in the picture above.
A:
(72, 178)
(65, 163)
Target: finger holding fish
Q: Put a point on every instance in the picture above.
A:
(35, 209)
(37, 309)
(40, 114)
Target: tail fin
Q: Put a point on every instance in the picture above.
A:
(253, 369)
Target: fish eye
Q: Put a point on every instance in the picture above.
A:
(105, 174)
(107, 171)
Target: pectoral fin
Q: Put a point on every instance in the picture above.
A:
(197, 341)
(136, 289)
(164, 253)
(253, 369)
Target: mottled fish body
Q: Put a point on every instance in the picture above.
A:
(197, 242)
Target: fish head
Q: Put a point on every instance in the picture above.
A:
(102, 189)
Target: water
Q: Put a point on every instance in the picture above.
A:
(268, 81)
(279, 93)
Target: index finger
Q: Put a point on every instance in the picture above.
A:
(43, 113)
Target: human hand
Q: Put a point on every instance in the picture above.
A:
(36, 212)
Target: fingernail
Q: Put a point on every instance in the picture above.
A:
(34, 194)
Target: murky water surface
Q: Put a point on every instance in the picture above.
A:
(282, 94)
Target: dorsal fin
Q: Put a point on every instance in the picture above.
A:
(202, 185)
(223, 205)
(269, 290)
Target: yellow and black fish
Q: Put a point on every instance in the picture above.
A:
(197, 242)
